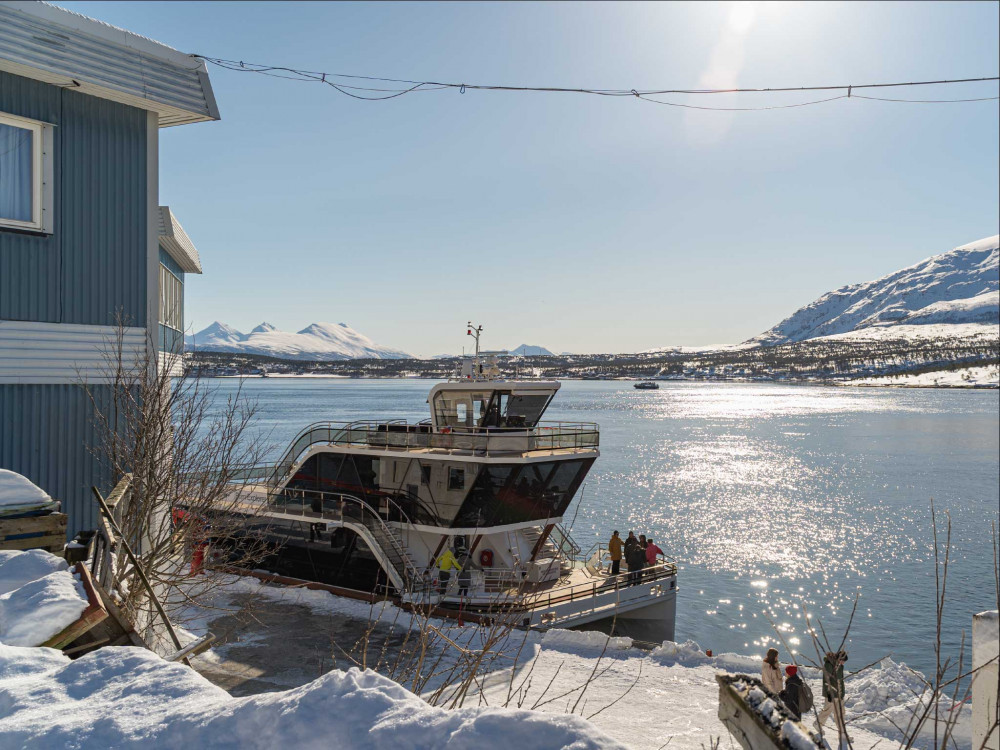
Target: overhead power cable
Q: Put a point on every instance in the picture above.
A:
(390, 88)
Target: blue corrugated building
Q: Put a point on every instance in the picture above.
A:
(82, 233)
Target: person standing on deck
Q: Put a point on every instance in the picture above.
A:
(446, 563)
(770, 672)
(833, 688)
(635, 558)
(615, 552)
(464, 575)
(651, 552)
(630, 544)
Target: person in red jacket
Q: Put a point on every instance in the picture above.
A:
(651, 552)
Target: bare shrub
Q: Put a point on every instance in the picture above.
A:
(188, 455)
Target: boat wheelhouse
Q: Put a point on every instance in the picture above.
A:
(369, 506)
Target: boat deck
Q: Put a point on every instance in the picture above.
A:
(581, 581)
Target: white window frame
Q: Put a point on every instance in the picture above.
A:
(41, 175)
(171, 310)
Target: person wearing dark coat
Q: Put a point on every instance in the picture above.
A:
(635, 559)
(791, 696)
(833, 687)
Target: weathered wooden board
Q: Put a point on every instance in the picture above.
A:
(46, 532)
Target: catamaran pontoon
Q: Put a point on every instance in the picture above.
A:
(370, 506)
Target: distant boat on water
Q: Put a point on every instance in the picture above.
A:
(647, 385)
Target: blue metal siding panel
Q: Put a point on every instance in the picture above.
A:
(94, 262)
(29, 283)
(46, 434)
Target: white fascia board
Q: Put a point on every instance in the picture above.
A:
(176, 242)
(63, 48)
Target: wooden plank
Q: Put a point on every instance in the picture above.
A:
(119, 618)
(94, 614)
(54, 523)
(49, 542)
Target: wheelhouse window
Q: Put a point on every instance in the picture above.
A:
(461, 409)
(25, 173)
(456, 479)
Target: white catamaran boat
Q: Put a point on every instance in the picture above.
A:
(370, 506)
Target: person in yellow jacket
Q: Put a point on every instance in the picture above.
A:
(615, 550)
(446, 562)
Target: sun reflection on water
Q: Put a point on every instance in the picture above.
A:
(781, 501)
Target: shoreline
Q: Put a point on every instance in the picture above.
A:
(860, 383)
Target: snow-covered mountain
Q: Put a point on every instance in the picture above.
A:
(527, 350)
(957, 288)
(317, 342)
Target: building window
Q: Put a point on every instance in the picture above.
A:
(171, 300)
(456, 479)
(25, 173)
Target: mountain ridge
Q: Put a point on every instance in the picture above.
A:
(321, 342)
(959, 287)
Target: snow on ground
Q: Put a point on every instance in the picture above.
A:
(39, 597)
(18, 568)
(640, 698)
(918, 332)
(556, 689)
(967, 377)
(129, 697)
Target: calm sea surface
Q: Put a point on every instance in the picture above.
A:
(777, 501)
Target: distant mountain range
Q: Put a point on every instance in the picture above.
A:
(960, 287)
(527, 350)
(320, 342)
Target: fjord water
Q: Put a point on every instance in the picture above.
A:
(775, 500)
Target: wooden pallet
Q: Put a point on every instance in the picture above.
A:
(46, 532)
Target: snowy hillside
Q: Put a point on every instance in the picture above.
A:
(527, 350)
(960, 287)
(319, 342)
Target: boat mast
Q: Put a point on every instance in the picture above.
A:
(475, 332)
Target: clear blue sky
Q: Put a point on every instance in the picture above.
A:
(574, 222)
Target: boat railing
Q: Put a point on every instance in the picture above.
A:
(603, 585)
(400, 435)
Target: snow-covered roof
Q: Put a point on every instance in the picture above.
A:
(58, 46)
(176, 242)
(16, 489)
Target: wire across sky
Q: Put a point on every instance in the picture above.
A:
(378, 88)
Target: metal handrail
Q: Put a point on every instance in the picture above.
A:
(480, 440)
(411, 573)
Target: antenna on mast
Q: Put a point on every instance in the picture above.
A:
(475, 332)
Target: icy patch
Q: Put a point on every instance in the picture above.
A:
(40, 609)
(127, 697)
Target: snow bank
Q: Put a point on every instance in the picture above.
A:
(40, 609)
(572, 640)
(18, 568)
(689, 654)
(127, 697)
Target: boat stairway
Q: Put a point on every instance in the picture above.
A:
(558, 545)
